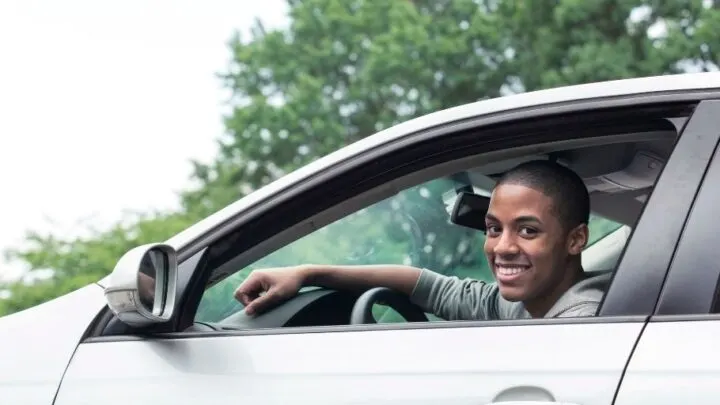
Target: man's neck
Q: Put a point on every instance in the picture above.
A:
(541, 305)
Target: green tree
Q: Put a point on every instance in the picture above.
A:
(77, 262)
(344, 69)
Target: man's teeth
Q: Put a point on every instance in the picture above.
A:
(510, 270)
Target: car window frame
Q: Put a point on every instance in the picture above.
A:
(510, 128)
(195, 283)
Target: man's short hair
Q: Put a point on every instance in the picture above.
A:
(567, 190)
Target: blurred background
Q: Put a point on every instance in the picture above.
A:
(123, 123)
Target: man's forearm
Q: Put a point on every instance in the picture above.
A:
(397, 277)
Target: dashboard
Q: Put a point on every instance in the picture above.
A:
(313, 307)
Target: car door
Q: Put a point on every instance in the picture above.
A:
(568, 360)
(677, 360)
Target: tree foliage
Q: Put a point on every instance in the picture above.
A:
(344, 69)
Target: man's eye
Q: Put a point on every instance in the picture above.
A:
(524, 231)
(492, 229)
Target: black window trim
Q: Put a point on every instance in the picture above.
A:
(663, 218)
(691, 288)
(196, 283)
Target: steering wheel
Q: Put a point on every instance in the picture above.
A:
(362, 310)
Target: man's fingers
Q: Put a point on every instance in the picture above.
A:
(249, 290)
(262, 303)
(250, 293)
(243, 298)
(246, 293)
(250, 309)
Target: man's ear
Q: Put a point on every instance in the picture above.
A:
(577, 239)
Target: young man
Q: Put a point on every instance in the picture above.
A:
(537, 227)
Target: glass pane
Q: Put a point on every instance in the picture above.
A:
(599, 228)
(412, 227)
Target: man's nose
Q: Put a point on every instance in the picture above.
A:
(506, 245)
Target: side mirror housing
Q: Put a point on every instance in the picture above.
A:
(470, 210)
(141, 288)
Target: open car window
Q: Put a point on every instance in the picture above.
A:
(412, 227)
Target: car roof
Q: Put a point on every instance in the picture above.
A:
(576, 93)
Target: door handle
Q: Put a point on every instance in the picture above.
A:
(530, 403)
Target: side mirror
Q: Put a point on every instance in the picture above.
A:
(142, 286)
(470, 210)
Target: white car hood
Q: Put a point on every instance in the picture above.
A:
(37, 344)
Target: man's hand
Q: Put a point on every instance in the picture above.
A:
(281, 284)
(276, 285)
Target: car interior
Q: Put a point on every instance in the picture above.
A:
(619, 172)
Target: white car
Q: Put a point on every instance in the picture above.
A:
(164, 327)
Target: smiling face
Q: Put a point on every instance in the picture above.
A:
(529, 250)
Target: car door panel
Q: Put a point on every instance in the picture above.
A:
(37, 344)
(676, 362)
(467, 365)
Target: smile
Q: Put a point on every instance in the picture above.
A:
(510, 270)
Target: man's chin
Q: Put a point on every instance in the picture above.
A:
(512, 294)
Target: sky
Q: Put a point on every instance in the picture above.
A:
(104, 104)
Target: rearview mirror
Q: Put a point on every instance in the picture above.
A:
(141, 288)
(469, 210)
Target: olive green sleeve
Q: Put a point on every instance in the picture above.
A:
(453, 299)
